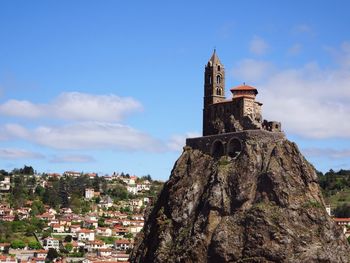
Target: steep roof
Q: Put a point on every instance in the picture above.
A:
(215, 59)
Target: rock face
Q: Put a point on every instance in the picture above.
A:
(263, 206)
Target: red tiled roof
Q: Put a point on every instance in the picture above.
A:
(84, 230)
(244, 87)
(4, 244)
(123, 241)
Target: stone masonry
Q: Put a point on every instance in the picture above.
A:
(226, 120)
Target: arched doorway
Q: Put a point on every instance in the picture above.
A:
(217, 149)
(234, 147)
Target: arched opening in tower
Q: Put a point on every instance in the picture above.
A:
(234, 147)
(218, 149)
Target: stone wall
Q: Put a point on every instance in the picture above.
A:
(229, 143)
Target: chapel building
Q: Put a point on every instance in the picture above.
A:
(226, 119)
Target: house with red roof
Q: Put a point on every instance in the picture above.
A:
(123, 244)
(86, 235)
(7, 259)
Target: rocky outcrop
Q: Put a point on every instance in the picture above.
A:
(265, 205)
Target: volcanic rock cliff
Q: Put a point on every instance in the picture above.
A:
(265, 205)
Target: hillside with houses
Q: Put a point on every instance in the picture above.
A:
(72, 216)
(84, 217)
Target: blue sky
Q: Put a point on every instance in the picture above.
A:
(104, 86)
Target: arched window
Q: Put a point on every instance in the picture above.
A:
(234, 147)
(217, 149)
(218, 91)
(219, 68)
(209, 79)
(218, 79)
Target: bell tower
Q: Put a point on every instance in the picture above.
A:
(214, 89)
(214, 81)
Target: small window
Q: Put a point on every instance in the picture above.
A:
(234, 147)
(217, 149)
(218, 91)
(209, 79)
(219, 68)
(218, 79)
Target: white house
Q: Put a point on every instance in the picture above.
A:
(7, 259)
(3, 246)
(89, 193)
(75, 229)
(132, 189)
(145, 186)
(5, 184)
(95, 245)
(51, 242)
(57, 228)
(123, 244)
(104, 252)
(86, 235)
(104, 231)
(72, 174)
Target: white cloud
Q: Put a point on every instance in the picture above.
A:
(12, 130)
(177, 142)
(341, 55)
(74, 106)
(72, 159)
(13, 154)
(310, 101)
(250, 70)
(90, 135)
(295, 49)
(328, 153)
(258, 46)
(303, 29)
(22, 108)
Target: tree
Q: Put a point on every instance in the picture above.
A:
(30, 229)
(19, 192)
(37, 224)
(15, 244)
(119, 191)
(68, 247)
(28, 170)
(129, 235)
(52, 254)
(39, 191)
(101, 222)
(342, 211)
(3, 172)
(63, 193)
(5, 230)
(37, 208)
(147, 177)
(96, 183)
(51, 195)
(18, 226)
(34, 245)
(68, 238)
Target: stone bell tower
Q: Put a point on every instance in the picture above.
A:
(214, 87)
(214, 81)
